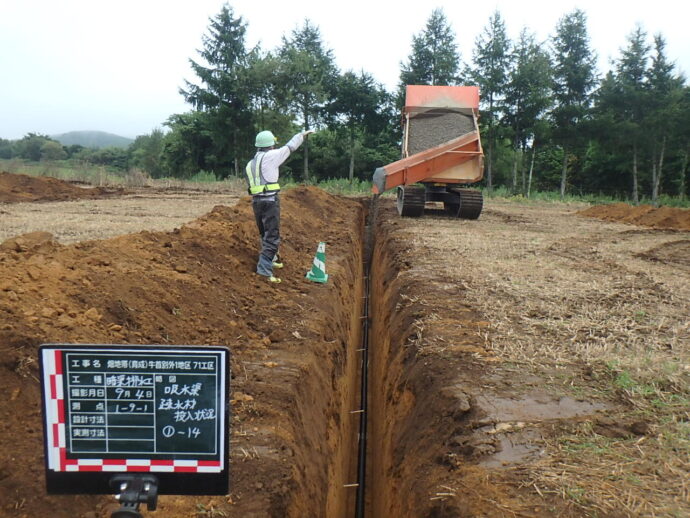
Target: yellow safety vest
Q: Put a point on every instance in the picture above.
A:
(256, 180)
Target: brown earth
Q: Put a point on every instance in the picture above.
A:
(530, 363)
(20, 187)
(153, 209)
(196, 285)
(643, 215)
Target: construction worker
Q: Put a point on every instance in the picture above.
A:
(262, 175)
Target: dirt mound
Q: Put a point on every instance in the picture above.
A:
(25, 242)
(643, 215)
(195, 285)
(20, 187)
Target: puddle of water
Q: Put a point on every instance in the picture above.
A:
(520, 445)
(534, 407)
(510, 422)
(515, 448)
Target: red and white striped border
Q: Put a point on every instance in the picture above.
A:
(151, 465)
(57, 446)
(55, 409)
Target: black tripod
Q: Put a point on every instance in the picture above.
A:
(134, 490)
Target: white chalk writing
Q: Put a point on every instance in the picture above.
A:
(177, 404)
(203, 414)
(128, 380)
(78, 393)
(184, 390)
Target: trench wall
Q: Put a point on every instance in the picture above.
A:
(411, 414)
(325, 430)
(389, 400)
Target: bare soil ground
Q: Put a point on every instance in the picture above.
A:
(20, 187)
(542, 366)
(644, 215)
(97, 212)
(83, 220)
(531, 363)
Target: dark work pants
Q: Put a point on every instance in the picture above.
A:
(267, 214)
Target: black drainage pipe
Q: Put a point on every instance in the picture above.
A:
(369, 238)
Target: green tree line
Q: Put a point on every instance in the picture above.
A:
(144, 153)
(548, 120)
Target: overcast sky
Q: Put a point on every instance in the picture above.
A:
(116, 66)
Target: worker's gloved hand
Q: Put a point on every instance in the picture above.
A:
(306, 133)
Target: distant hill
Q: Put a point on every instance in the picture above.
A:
(90, 139)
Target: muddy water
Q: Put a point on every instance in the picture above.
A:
(515, 448)
(534, 407)
(514, 423)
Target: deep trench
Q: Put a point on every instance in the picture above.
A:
(387, 407)
(374, 365)
(365, 476)
(390, 389)
(382, 365)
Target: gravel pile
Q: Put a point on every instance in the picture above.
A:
(433, 128)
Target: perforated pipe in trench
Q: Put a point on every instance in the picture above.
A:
(369, 242)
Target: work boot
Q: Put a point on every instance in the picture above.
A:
(277, 262)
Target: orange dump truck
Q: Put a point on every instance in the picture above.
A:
(441, 151)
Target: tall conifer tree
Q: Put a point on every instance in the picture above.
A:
(664, 97)
(491, 60)
(574, 80)
(528, 94)
(307, 73)
(434, 59)
(222, 94)
(631, 70)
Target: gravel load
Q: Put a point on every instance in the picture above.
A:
(432, 128)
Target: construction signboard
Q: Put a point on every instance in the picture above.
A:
(135, 409)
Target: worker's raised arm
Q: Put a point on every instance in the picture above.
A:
(277, 156)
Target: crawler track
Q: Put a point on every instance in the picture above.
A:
(471, 203)
(411, 201)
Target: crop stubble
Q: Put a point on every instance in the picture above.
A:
(597, 311)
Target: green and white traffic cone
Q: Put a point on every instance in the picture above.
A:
(318, 269)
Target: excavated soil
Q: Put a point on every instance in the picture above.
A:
(290, 445)
(16, 188)
(530, 363)
(643, 215)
